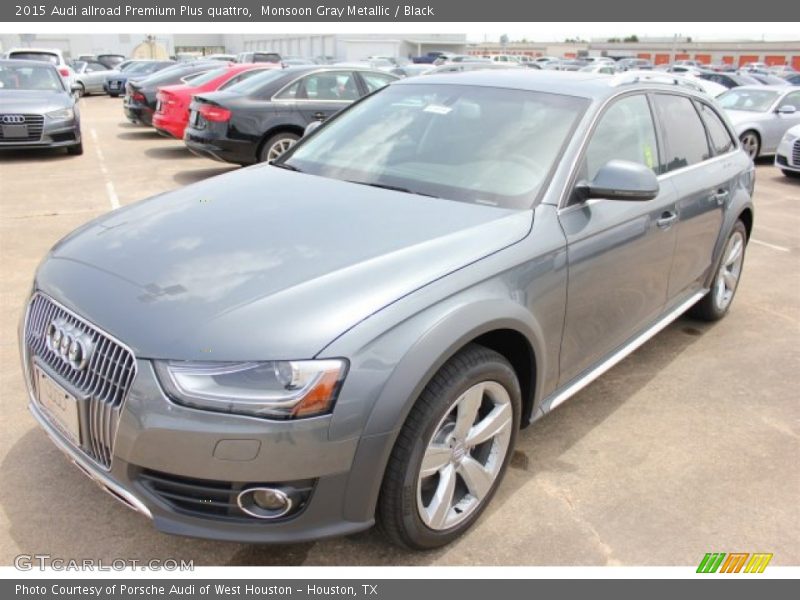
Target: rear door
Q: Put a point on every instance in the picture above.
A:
(698, 149)
(94, 75)
(619, 253)
(320, 95)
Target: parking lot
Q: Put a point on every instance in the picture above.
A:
(691, 445)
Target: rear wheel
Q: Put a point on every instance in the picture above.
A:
(715, 304)
(81, 91)
(113, 95)
(751, 143)
(75, 150)
(277, 145)
(452, 451)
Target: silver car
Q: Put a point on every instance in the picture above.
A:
(359, 330)
(787, 157)
(761, 115)
(90, 75)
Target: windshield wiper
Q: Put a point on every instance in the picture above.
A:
(286, 166)
(394, 188)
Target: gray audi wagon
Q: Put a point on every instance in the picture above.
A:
(358, 331)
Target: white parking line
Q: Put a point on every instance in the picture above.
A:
(113, 199)
(768, 245)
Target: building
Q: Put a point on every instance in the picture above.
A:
(338, 46)
(660, 51)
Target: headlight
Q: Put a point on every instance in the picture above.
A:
(275, 389)
(62, 114)
(790, 137)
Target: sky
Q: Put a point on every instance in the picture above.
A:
(553, 32)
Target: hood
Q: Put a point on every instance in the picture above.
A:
(263, 263)
(33, 101)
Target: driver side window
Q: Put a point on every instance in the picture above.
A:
(624, 132)
(792, 99)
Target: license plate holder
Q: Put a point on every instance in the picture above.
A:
(15, 131)
(59, 405)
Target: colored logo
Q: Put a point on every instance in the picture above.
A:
(735, 562)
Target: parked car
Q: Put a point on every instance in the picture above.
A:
(787, 156)
(90, 76)
(637, 64)
(475, 66)
(172, 101)
(296, 61)
(139, 103)
(729, 80)
(793, 79)
(259, 119)
(53, 56)
(781, 70)
(37, 109)
(114, 84)
(694, 83)
(761, 115)
(595, 60)
(220, 57)
(358, 331)
(722, 67)
(412, 70)
(755, 66)
(766, 78)
(689, 63)
(428, 58)
(111, 61)
(259, 57)
(600, 67)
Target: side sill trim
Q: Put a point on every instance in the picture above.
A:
(582, 381)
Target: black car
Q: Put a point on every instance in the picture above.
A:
(262, 117)
(140, 96)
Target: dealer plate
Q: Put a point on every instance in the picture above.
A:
(15, 131)
(60, 406)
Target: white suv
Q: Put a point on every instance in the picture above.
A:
(53, 56)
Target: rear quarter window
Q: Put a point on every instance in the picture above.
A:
(718, 134)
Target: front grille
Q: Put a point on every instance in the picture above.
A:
(104, 382)
(796, 154)
(207, 498)
(34, 123)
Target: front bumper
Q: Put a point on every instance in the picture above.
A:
(54, 135)
(190, 447)
(787, 156)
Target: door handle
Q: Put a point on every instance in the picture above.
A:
(720, 196)
(319, 116)
(667, 219)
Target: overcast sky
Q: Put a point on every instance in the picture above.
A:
(553, 32)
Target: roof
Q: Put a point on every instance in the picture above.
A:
(16, 62)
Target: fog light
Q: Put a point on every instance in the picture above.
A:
(264, 503)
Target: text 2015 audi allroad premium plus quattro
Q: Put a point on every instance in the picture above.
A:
(357, 332)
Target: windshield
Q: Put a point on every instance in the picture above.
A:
(43, 56)
(30, 77)
(255, 83)
(750, 100)
(474, 144)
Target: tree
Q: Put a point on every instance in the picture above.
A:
(632, 38)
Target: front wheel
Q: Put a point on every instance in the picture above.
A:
(751, 144)
(715, 304)
(75, 150)
(793, 174)
(277, 145)
(452, 451)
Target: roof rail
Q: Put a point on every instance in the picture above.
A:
(633, 77)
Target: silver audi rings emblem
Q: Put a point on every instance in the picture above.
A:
(69, 343)
(12, 119)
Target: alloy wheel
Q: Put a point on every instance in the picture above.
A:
(465, 455)
(279, 148)
(750, 144)
(729, 271)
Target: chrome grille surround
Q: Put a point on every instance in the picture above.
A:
(104, 382)
(794, 160)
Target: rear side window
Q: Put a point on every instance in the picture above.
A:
(721, 140)
(375, 81)
(624, 132)
(686, 142)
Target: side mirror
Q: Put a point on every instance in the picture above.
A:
(621, 180)
(311, 128)
(786, 109)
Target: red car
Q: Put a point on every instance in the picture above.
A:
(172, 106)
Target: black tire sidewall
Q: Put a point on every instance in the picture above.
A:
(418, 533)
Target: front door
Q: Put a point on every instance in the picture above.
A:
(619, 252)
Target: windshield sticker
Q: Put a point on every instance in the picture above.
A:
(437, 109)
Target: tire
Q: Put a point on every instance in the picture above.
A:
(277, 145)
(113, 95)
(751, 143)
(792, 174)
(716, 303)
(81, 90)
(75, 150)
(407, 504)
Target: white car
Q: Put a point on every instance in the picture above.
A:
(787, 156)
(54, 56)
(761, 115)
(600, 67)
(700, 85)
